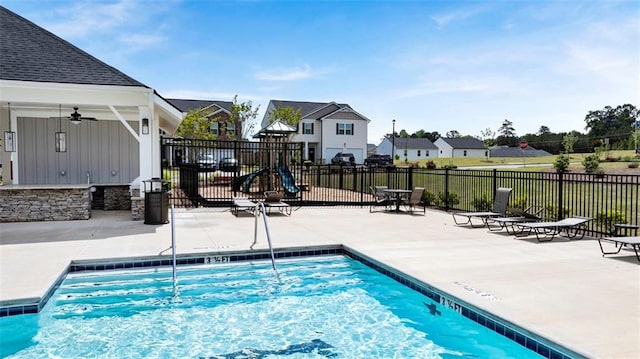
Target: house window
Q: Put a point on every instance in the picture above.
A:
(426, 153)
(344, 128)
(307, 128)
(464, 153)
(214, 128)
(405, 153)
(231, 129)
(419, 153)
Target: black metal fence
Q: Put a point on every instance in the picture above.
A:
(608, 199)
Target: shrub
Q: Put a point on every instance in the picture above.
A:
(450, 167)
(633, 165)
(453, 199)
(431, 165)
(482, 203)
(428, 198)
(591, 163)
(552, 212)
(607, 219)
(562, 163)
(519, 202)
(611, 159)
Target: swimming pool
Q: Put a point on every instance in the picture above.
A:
(319, 307)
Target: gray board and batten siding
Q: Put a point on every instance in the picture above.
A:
(104, 149)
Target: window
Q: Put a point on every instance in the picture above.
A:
(419, 153)
(464, 153)
(344, 128)
(426, 153)
(214, 128)
(231, 129)
(405, 153)
(307, 128)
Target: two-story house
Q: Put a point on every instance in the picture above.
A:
(218, 112)
(326, 129)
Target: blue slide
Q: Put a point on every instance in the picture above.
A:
(288, 182)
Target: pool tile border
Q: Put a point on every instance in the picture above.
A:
(510, 331)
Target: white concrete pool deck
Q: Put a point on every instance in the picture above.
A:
(563, 290)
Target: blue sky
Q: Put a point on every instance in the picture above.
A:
(432, 65)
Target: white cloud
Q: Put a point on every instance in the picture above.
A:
(456, 15)
(297, 73)
(141, 40)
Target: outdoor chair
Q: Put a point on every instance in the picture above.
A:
(243, 204)
(414, 200)
(509, 223)
(573, 228)
(620, 242)
(500, 202)
(273, 199)
(380, 198)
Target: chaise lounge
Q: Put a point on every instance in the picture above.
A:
(243, 204)
(620, 242)
(273, 199)
(510, 223)
(500, 202)
(573, 228)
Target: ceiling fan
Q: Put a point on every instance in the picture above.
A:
(75, 117)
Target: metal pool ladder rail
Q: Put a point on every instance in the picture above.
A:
(261, 209)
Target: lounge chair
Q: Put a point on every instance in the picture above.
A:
(509, 223)
(243, 204)
(380, 198)
(414, 200)
(273, 199)
(620, 242)
(500, 202)
(573, 228)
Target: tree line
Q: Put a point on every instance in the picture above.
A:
(611, 127)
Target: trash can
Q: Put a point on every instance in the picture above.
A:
(156, 201)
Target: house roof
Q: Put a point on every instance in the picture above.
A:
(307, 108)
(31, 53)
(464, 143)
(187, 105)
(506, 151)
(413, 143)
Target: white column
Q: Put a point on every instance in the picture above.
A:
(146, 149)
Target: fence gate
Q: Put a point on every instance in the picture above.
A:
(210, 173)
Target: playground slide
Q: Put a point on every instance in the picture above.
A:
(288, 182)
(245, 181)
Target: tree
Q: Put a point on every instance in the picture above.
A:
(611, 122)
(569, 140)
(544, 130)
(404, 134)
(244, 114)
(433, 136)
(195, 125)
(287, 115)
(453, 134)
(488, 137)
(507, 130)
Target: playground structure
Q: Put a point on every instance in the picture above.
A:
(275, 154)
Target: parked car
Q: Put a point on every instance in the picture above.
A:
(343, 159)
(378, 161)
(206, 162)
(228, 164)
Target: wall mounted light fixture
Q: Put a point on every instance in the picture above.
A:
(61, 137)
(145, 126)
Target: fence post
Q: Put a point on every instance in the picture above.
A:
(446, 189)
(410, 178)
(560, 196)
(495, 182)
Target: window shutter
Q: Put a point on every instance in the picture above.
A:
(337, 128)
(312, 128)
(351, 125)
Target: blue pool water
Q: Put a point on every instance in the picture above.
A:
(322, 307)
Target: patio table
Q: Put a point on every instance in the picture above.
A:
(396, 194)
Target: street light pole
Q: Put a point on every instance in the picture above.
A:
(393, 140)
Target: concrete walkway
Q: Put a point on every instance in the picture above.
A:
(562, 290)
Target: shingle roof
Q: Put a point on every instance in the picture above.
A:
(506, 151)
(412, 143)
(306, 108)
(187, 105)
(466, 143)
(31, 53)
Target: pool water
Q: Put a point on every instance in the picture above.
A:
(321, 307)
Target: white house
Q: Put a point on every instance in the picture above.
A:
(460, 147)
(71, 121)
(326, 129)
(411, 149)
